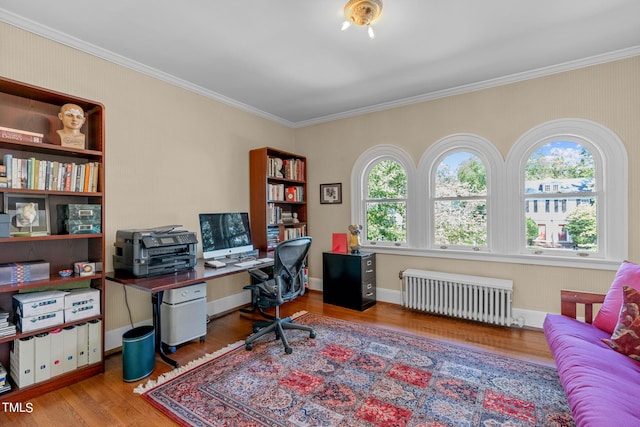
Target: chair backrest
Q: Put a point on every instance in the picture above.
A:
(289, 258)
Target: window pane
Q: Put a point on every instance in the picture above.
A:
(560, 167)
(386, 221)
(566, 169)
(461, 174)
(575, 228)
(387, 180)
(461, 222)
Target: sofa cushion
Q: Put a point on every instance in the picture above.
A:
(599, 383)
(628, 275)
(626, 336)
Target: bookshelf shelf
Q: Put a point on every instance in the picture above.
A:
(34, 109)
(278, 187)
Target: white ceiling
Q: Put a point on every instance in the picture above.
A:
(287, 60)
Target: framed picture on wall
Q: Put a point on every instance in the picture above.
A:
(28, 214)
(331, 193)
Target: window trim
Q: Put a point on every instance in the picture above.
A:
(427, 168)
(605, 145)
(610, 160)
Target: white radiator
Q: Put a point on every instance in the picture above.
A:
(482, 299)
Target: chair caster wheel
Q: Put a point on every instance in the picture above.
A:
(312, 334)
(248, 346)
(288, 350)
(168, 349)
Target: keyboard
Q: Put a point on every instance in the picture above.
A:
(248, 263)
(253, 262)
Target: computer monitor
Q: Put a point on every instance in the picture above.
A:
(225, 234)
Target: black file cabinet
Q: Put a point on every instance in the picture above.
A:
(349, 280)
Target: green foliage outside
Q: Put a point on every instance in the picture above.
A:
(577, 162)
(541, 166)
(581, 225)
(460, 212)
(387, 208)
(532, 231)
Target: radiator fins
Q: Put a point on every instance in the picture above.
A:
(482, 299)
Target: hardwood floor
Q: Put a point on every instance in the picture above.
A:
(107, 400)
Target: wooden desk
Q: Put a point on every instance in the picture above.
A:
(156, 285)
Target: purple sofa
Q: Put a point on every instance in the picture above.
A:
(602, 385)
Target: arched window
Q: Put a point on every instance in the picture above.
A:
(460, 184)
(568, 186)
(382, 180)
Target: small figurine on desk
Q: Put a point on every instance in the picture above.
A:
(354, 238)
(72, 118)
(295, 218)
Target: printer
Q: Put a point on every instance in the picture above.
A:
(149, 252)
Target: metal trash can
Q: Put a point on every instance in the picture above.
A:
(138, 353)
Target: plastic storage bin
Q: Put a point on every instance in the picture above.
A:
(138, 353)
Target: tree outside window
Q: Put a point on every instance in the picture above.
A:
(386, 203)
(460, 204)
(562, 171)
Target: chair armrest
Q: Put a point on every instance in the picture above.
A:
(570, 299)
(259, 274)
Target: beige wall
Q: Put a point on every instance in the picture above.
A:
(608, 94)
(171, 153)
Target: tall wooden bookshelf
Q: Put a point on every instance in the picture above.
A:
(278, 181)
(28, 108)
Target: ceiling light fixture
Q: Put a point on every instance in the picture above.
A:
(362, 13)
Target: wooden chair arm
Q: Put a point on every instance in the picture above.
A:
(570, 299)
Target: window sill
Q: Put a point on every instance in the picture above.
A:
(578, 262)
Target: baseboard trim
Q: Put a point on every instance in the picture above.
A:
(215, 308)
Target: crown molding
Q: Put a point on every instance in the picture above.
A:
(486, 84)
(83, 46)
(67, 40)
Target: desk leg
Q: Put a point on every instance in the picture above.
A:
(156, 299)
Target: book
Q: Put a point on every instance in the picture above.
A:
(7, 160)
(21, 135)
(339, 243)
(38, 174)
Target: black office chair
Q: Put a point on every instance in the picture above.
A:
(286, 285)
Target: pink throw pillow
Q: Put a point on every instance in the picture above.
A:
(626, 337)
(628, 275)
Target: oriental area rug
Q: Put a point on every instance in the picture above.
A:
(354, 375)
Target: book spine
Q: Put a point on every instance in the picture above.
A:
(86, 186)
(17, 135)
(7, 160)
(67, 176)
(96, 174)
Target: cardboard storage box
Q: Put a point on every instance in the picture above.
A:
(80, 219)
(35, 303)
(14, 273)
(81, 312)
(22, 361)
(82, 227)
(81, 303)
(44, 320)
(89, 213)
(79, 297)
